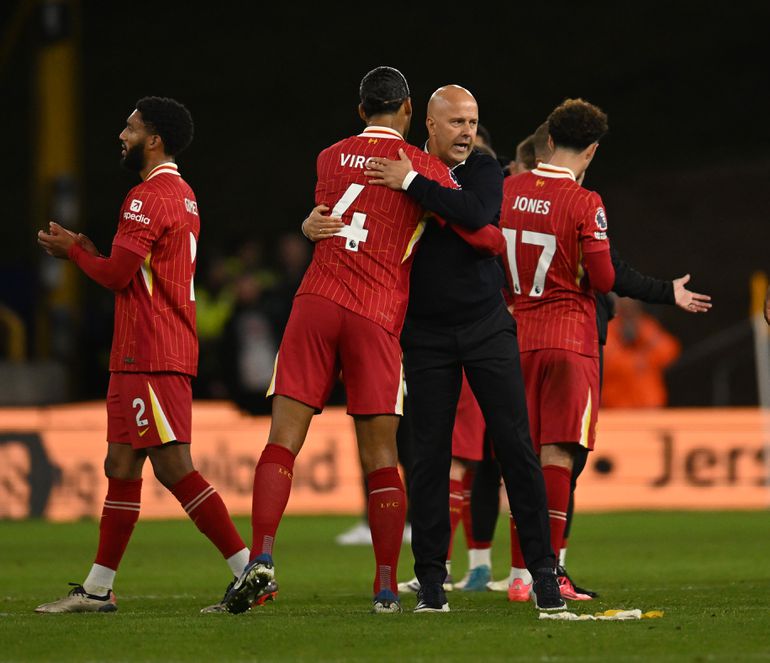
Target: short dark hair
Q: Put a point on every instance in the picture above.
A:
(383, 90)
(540, 141)
(482, 131)
(525, 153)
(170, 120)
(576, 124)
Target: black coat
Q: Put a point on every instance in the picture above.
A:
(629, 283)
(451, 283)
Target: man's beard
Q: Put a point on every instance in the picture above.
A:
(134, 159)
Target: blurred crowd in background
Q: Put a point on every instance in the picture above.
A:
(243, 302)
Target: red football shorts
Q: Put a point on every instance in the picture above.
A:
(149, 409)
(468, 433)
(562, 396)
(322, 338)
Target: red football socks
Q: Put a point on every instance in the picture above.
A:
(207, 510)
(467, 521)
(387, 510)
(455, 511)
(272, 486)
(557, 488)
(119, 515)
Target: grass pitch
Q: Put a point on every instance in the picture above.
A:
(709, 572)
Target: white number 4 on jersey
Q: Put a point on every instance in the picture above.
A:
(354, 232)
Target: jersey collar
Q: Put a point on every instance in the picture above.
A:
(373, 131)
(556, 172)
(169, 167)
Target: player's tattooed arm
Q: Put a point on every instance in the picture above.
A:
(317, 226)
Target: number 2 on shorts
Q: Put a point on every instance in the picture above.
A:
(139, 403)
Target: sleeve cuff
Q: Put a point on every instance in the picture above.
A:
(408, 179)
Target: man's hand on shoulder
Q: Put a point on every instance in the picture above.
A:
(317, 226)
(57, 241)
(387, 172)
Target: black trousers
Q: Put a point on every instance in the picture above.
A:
(485, 495)
(434, 357)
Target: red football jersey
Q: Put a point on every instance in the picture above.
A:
(155, 314)
(365, 268)
(550, 222)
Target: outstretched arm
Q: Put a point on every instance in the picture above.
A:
(631, 283)
(692, 302)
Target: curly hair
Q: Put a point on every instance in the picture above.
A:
(383, 90)
(170, 120)
(576, 124)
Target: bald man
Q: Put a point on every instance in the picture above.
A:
(457, 319)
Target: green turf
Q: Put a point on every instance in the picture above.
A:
(709, 572)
